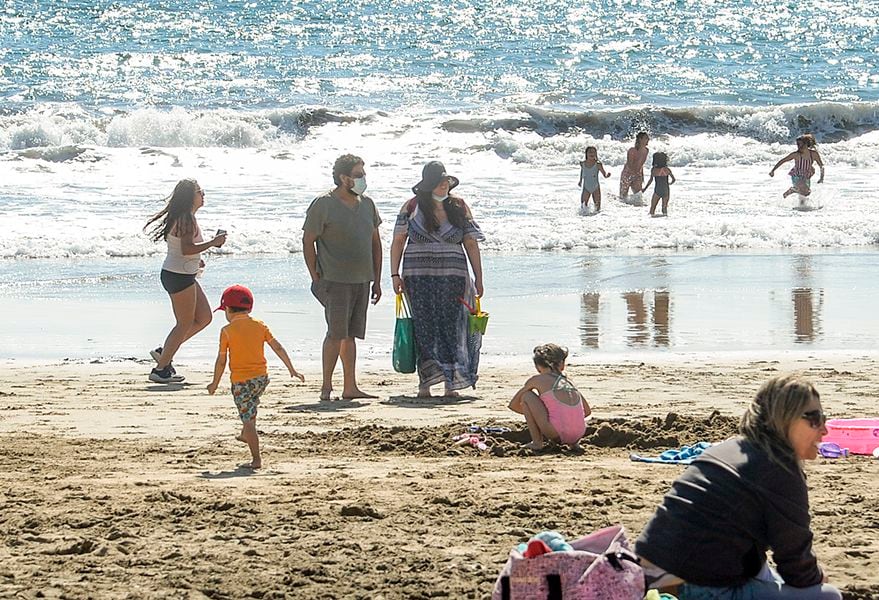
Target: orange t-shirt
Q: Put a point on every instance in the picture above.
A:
(244, 338)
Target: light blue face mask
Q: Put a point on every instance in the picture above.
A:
(439, 198)
(359, 185)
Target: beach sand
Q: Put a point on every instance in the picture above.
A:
(119, 488)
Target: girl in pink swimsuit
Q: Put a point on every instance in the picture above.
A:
(552, 406)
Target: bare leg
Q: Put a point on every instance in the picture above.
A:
(584, 198)
(193, 313)
(537, 419)
(665, 203)
(596, 198)
(329, 358)
(348, 354)
(653, 202)
(251, 438)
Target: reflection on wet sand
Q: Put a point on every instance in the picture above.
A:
(638, 327)
(589, 304)
(807, 312)
(636, 315)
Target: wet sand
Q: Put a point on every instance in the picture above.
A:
(117, 487)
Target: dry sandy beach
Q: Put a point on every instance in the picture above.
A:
(119, 488)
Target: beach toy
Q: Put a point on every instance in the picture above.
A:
(876, 453)
(469, 438)
(478, 320)
(832, 450)
(551, 539)
(860, 436)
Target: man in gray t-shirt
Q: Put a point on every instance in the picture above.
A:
(343, 253)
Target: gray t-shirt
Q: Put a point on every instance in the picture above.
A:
(344, 237)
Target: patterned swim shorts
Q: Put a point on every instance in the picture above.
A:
(246, 394)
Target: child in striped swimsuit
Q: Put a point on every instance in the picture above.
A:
(801, 174)
(552, 406)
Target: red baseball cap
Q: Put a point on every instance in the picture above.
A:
(236, 296)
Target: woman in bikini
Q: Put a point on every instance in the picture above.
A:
(589, 170)
(552, 406)
(801, 174)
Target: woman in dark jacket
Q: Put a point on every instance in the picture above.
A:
(741, 498)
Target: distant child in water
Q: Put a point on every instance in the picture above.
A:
(243, 340)
(632, 176)
(660, 173)
(801, 174)
(552, 406)
(589, 170)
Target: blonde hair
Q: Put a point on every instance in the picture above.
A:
(550, 356)
(778, 403)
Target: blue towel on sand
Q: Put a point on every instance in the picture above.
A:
(683, 456)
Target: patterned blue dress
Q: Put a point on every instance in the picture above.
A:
(436, 275)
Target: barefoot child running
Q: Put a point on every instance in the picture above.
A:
(552, 406)
(589, 170)
(660, 173)
(243, 339)
(801, 174)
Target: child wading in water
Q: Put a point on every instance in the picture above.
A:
(660, 173)
(632, 175)
(243, 340)
(552, 406)
(801, 174)
(589, 170)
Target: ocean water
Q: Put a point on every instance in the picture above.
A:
(105, 105)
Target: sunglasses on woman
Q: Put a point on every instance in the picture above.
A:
(816, 418)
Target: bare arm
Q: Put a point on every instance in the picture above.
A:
(188, 247)
(587, 410)
(790, 156)
(219, 369)
(820, 165)
(309, 252)
(278, 349)
(471, 247)
(580, 181)
(516, 404)
(603, 172)
(397, 246)
(376, 266)
(672, 175)
(649, 181)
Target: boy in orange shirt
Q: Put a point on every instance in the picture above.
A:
(243, 339)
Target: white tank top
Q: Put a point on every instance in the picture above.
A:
(176, 261)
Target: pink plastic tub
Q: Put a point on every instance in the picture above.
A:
(860, 436)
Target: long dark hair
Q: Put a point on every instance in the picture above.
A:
(456, 210)
(176, 214)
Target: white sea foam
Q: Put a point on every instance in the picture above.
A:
(92, 200)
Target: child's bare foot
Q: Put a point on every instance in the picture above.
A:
(788, 193)
(256, 464)
(533, 446)
(327, 395)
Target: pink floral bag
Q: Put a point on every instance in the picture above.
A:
(601, 567)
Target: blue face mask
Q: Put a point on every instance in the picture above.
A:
(359, 185)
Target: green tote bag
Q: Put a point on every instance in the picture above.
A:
(404, 339)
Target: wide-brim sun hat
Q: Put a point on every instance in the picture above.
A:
(431, 176)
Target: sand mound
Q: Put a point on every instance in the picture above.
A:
(671, 431)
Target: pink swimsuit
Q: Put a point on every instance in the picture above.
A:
(568, 420)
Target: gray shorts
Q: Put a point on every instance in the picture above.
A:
(345, 307)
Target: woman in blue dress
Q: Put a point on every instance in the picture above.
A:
(435, 237)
